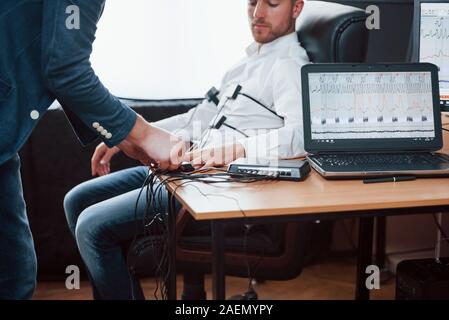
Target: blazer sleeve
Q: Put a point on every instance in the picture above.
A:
(83, 132)
(66, 48)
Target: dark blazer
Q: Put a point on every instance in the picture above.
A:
(43, 57)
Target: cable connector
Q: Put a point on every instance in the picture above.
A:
(220, 122)
(212, 96)
(236, 92)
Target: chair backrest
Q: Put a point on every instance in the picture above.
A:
(332, 32)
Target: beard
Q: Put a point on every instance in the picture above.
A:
(264, 32)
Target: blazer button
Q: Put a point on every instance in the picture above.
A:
(34, 114)
(108, 135)
(95, 125)
(104, 132)
(100, 128)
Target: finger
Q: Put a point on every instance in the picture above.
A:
(173, 167)
(197, 162)
(188, 157)
(210, 163)
(95, 160)
(202, 156)
(106, 158)
(153, 165)
(177, 153)
(102, 171)
(95, 169)
(163, 165)
(147, 161)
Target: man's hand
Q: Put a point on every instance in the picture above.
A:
(153, 146)
(215, 157)
(101, 159)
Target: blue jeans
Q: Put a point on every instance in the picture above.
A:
(101, 216)
(18, 264)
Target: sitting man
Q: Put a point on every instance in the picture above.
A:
(258, 114)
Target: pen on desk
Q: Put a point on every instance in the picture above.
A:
(390, 179)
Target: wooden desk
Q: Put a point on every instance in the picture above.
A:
(313, 199)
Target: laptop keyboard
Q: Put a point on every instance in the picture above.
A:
(350, 160)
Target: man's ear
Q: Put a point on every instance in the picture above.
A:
(297, 8)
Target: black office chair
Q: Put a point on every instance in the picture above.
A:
(330, 33)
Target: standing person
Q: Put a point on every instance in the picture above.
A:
(45, 47)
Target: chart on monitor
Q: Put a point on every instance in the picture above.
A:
(434, 42)
(367, 105)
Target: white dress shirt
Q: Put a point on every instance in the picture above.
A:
(271, 74)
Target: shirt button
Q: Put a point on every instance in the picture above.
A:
(95, 125)
(34, 114)
(108, 135)
(100, 128)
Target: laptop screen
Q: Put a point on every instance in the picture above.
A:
(391, 109)
(430, 40)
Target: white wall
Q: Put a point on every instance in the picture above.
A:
(167, 49)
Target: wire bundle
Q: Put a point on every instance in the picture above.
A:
(154, 225)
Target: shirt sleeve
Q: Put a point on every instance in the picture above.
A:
(286, 142)
(191, 124)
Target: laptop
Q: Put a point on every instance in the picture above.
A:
(363, 120)
(429, 43)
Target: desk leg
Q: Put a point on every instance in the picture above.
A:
(171, 284)
(218, 260)
(364, 257)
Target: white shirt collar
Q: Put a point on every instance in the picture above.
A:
(257, 48)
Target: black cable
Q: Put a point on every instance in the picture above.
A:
(209, 130)
(136, 232)
(261, 104)
(188, 183)
(146, 230)
(150, 204)
(154, 202)
(235, 129)
(445, 129)
(247, 231)
(440, 228)
(154, 189)
(257, 265)
(164, 262)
